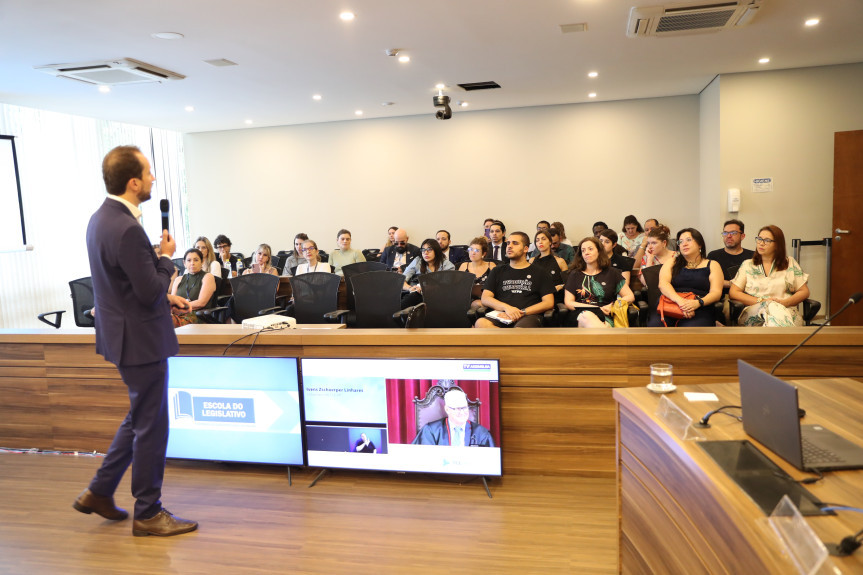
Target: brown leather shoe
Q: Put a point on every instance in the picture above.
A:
(163, 524)
(88, 502)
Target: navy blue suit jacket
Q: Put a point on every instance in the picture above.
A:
(130, 283)
(388, 256)
(457, 256)
(437, 433)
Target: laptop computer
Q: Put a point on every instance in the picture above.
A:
(770, 415)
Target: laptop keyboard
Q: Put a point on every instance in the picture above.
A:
(814, 455)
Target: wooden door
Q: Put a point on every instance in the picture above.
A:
(846, 275)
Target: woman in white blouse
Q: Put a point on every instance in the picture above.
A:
(313, 264)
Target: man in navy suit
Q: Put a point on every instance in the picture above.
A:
(134, 331)
(453, 254)
(401, 253)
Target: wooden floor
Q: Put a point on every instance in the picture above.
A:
(252, 521)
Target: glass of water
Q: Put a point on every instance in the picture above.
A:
(661, 377)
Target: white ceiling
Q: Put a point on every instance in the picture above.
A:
(288, 50)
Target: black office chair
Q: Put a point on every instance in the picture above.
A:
(82, 302)
(372, 255)
(446, 299)
(315, 294)
(323, 256)
(349, 271)
(278, 262)
(377, 296)
(650, 293)
(179, 263)
(253, 295)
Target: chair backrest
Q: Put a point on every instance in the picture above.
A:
(351, 270)
(82, 301)
(372, 254)
(431, 407)
(651, 284)
(315, 294)
(447, 298)
(627, 263)
(278, 262)
(180, 265)
(378, 296)
(253, 293)
(323, 256)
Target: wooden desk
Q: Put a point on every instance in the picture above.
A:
(680, 513)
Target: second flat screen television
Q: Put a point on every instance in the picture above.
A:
(390, 415)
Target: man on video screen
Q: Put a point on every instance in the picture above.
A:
(455, 428)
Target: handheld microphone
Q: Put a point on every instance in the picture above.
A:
(851, 301)
(163, 206)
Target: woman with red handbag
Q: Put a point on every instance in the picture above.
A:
(690, 285)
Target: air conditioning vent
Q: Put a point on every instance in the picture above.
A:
(470, 86)
(690, 18)
(111, 72)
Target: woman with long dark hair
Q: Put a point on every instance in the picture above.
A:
(771, 284)
(547, 260)
(593, 286)
(196, 286)
(633, 235)
(431, 259)
(691, 272)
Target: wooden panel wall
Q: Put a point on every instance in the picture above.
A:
(558, 415)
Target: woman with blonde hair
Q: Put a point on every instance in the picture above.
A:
(203, 245)
(261, 262)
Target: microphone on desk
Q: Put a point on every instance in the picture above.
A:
(851, 301)
(163, 206)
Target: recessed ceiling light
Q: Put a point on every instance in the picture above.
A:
(592, 74)
(316, 97)
(463, 104)
(439, 86)
(388, 103)
(248, 122)
(404, 59)
(190, 108)
(167, 36)
(592, 95)
(358, 112)
(763, 60)
(347, 16)
(812, 22)
(104, 89)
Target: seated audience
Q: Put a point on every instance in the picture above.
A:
(261, 262)
(559, 227)
(541, 226)
(203, 245)
(295, 258)
(224, 257)
(344, 255)
(401, 253)
(196, 285)
(430, 260)
(593, 286)
(649, 224)
(655, 249)
(608, 241)
(453, 254)
(313, 263)
(633, 235)
(478, 266)
(733, 254)
(598, 227)
(515, 290)
(690, 271)
(390, 231)
(559, 248)
(554, 265)
(496, 246)
(771, 284)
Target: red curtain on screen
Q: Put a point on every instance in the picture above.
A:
(401, 422)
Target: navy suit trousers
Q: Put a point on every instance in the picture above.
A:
(141, 440)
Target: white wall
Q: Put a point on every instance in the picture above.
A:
(780, 124)
(574, 163)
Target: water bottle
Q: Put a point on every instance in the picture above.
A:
(239, 267)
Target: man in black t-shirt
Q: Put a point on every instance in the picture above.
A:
(733, 255)
(518, 292)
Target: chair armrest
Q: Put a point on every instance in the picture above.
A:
(58, 319)
(481, 311)
(811, 308)
(269, 310)
(402, 314)
(89, 314)
(282, 301)
(213, 314)
(336, 316)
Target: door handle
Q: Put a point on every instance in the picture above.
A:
(840, 231)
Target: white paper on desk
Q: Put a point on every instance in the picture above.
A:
(695, 396)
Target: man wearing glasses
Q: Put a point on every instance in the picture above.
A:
(733, 254)
(401, 253)
(455, 429)
(517, 292)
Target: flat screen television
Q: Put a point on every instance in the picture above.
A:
(390, 415)
(242, 409)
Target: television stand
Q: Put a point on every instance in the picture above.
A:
(321, 474)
